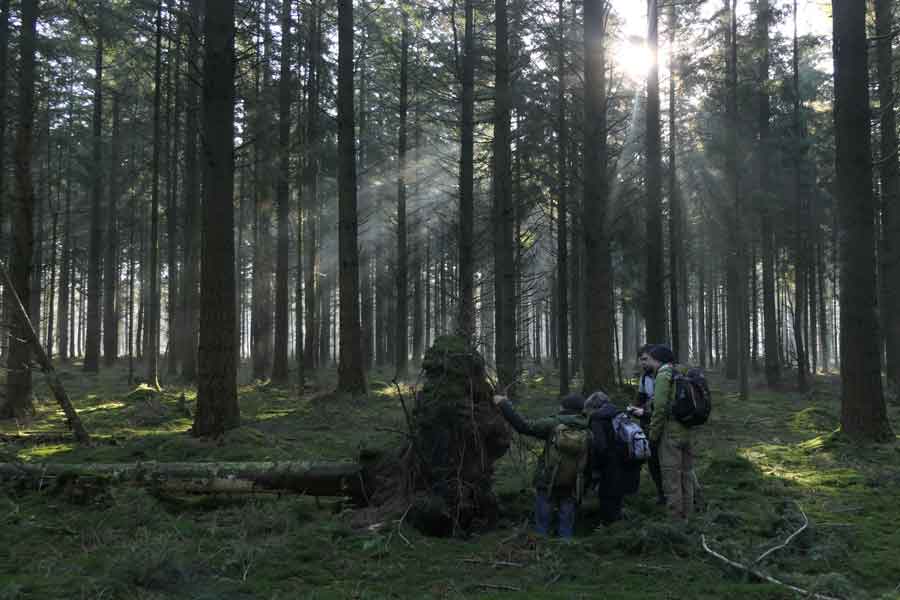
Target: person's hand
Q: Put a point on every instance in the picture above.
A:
(498, 398)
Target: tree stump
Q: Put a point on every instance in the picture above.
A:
(442, 479)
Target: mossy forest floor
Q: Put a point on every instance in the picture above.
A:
(760, 464)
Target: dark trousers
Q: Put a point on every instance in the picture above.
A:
(610, 509)
(655, 470)
(544, 505)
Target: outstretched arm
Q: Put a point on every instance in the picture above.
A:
(539, 428)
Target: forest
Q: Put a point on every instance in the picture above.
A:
(265, 264)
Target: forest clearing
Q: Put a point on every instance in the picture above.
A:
(763, 465)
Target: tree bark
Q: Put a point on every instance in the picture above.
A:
(217, 401)
(467, 180)
(282, 328)
(151, 334)
(655, 311)
(18, 402)
(402, 272)
(863, 412)
(801, 212)
(598, 364)
(677, 268)
(191, 202)
(92, 349)
(562, 210)
(889, 253)
(313, 479)
(351, 374)
(767, 236)
(310, 192)
(172, 149)
(261, 323)
(4, 43)
(111, 261)
(504, 263)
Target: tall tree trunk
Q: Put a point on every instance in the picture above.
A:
(261, 350)
(863, 412)
(402, 272)
(562, 231)
(467, 180)
(173, 137)
(310, 191)
(111, 261)
(65, 262)
(18, 402)
(151, 334)
(92, 350)
(597, 367)
(191, 202)
(736, 315)
(282, 329)
(4, 43)
(890, 191)
(655, 310)
(54, 241)
(217, 402)
(677, 267)
(823, 312)
(767, 236)
(504, 263)
(351, 374)
(299, 291)
(37, 258)
(701, 314)
(132, 268)
(801, 214)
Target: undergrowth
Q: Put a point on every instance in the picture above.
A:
(766, 466)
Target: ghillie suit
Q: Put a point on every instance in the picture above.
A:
(442, 479)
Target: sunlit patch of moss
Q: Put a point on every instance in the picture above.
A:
(814, 419)
(100, 407)
(44, 452)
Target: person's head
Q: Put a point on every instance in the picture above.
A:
(595, 401)
(573, 403)
(641, 357)
(657, 356)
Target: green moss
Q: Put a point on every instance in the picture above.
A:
(759, 462)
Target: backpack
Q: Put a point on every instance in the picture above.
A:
(567, 457)
(630, 436)
(692, 403)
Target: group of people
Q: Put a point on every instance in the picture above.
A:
(608, 469)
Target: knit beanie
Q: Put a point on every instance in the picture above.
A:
(574, 402)
(662, 353)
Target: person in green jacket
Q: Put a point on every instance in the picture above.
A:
(674, 440)
(549, 492)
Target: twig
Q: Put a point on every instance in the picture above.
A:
(403, 404)
(788, 540)
(761, 575)
(389, 430)
(494, 586)
(497, 563)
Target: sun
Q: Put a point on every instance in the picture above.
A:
(632, 58)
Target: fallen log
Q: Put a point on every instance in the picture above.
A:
(343, 479)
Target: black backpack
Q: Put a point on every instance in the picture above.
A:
(692, 403)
